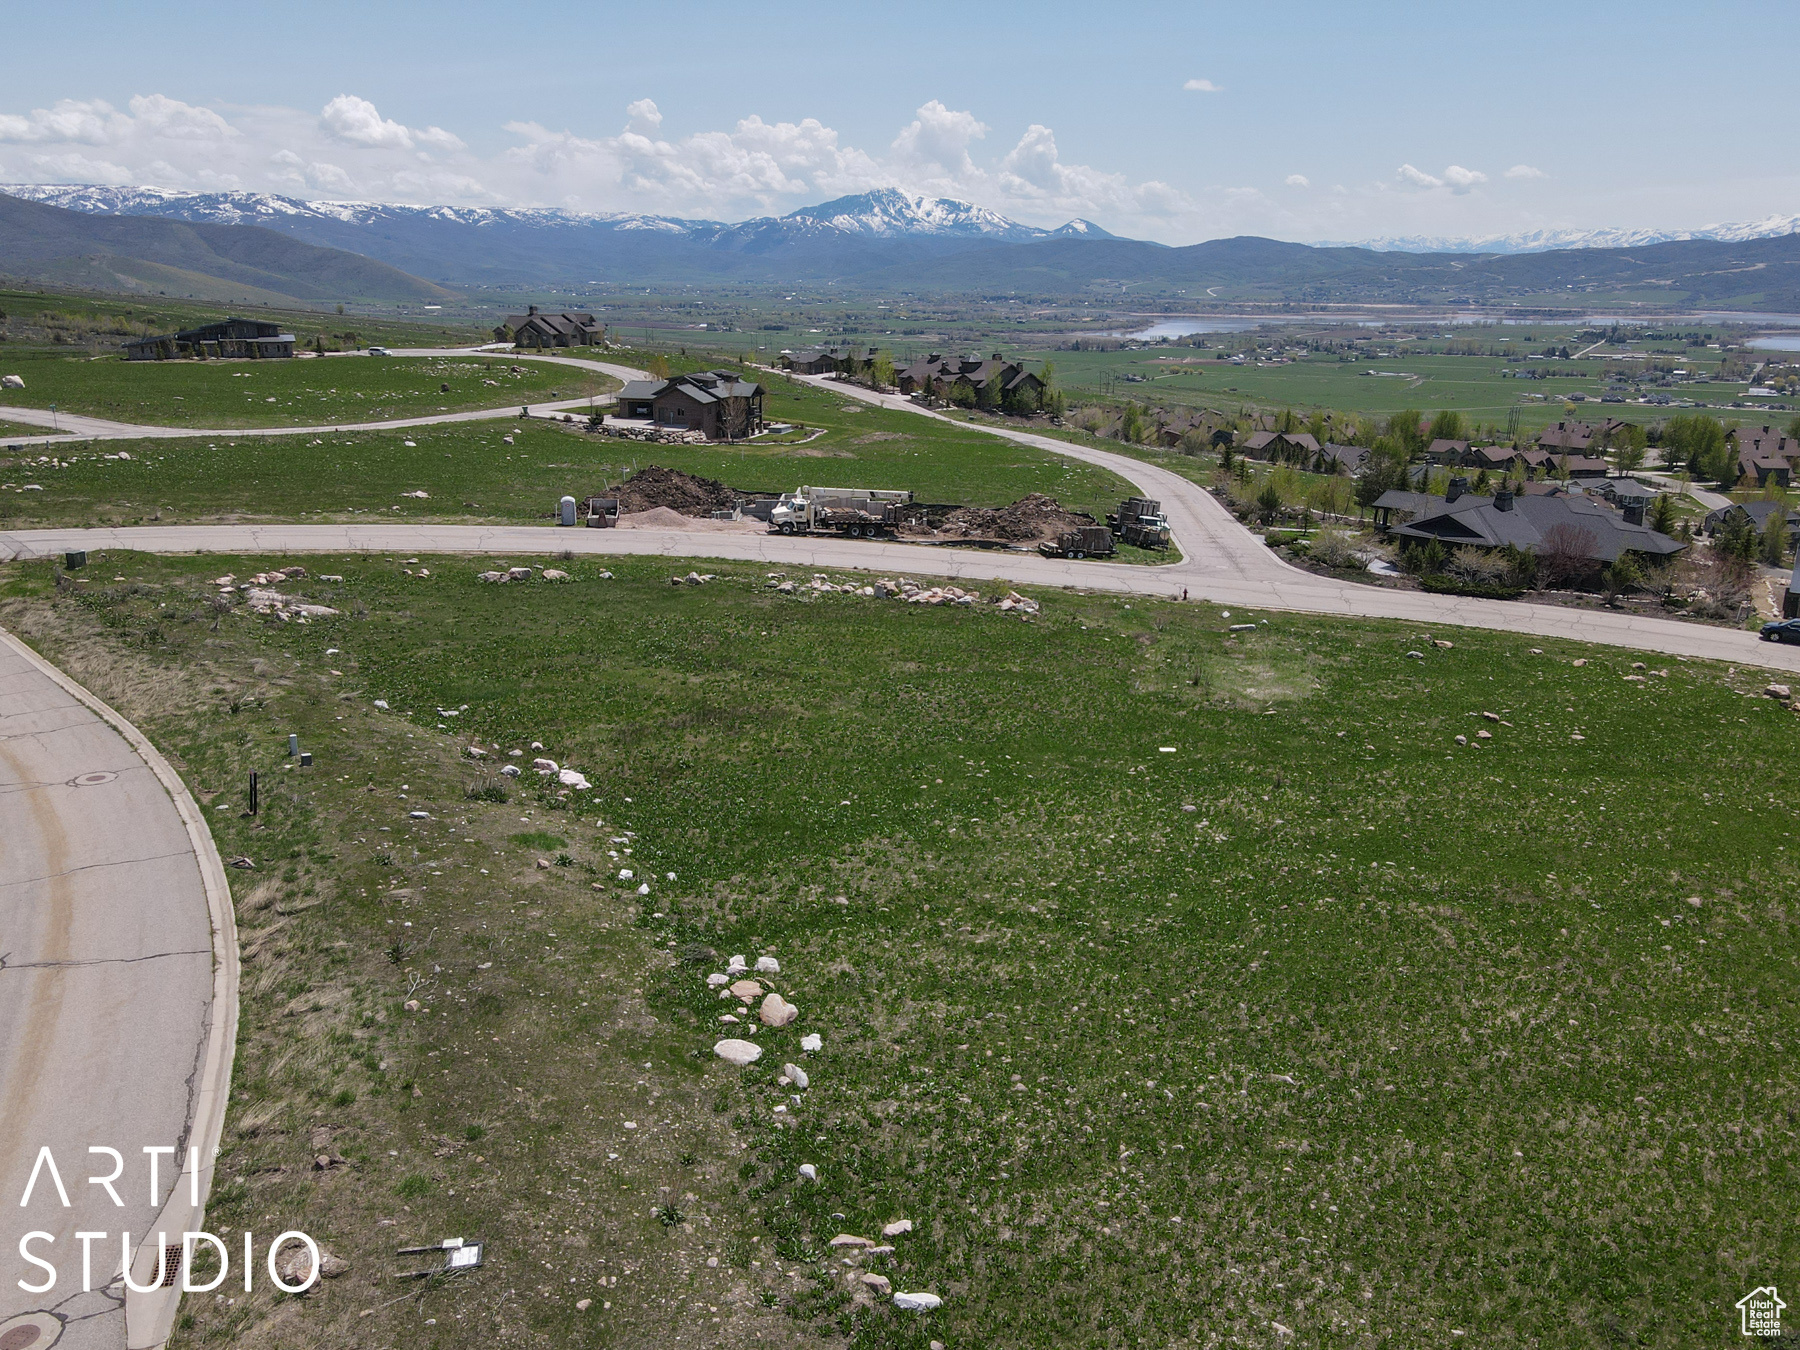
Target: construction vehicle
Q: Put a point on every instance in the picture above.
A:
(1084, 541)
(1139, 522)
(859, 513)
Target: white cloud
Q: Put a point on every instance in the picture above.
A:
(1458, 179)
(84, 123)
(1418, 178)
(939, 137)
(1202, 87)
(158, 115)
(1461, 179)
(359, 122)
(1297, 180)
(645, 117)
(1524, 171)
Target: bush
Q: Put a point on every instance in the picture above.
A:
(1444, 585)
(1334, 548)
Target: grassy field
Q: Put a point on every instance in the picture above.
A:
(318, 392)
(472, 474)
(1430, 382)
(1318, 1019)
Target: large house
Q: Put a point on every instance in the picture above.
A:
(1755, 515)
(534, 328)
(1295, 447)
(718, 403)
(1529, 523)
(968, 376)
(232, 338)
(1578, 437)
(1764, 454)
(827, 360)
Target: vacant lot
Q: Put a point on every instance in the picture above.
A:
(470, 472)
(1316, 1018)
(299, 392)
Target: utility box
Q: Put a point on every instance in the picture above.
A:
(75, 558)
(565, 511)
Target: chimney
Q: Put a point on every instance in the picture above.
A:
(998, 357)
(1458, 486)
(530, 310)
(1503, 500)
(935, 357)
(1634, 514)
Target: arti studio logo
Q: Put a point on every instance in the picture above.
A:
(1761, 1312)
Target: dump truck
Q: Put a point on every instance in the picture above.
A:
(1139, 522)
(859, 513)
(1084, 541)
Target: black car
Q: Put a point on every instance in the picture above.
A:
(1782, 630)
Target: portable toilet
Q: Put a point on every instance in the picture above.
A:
(565, 511)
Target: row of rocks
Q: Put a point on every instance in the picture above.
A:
(693, 579)
(736, 981)
(526, 574)
(655, 435)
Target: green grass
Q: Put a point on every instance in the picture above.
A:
(1472, 385)
(22, 429)
(300, 392)
(471, 474)
(1384, 1038)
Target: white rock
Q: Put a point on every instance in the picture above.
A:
(896, 1228)
(419, 815)
(737, 965)
(644, 889)
(555, 574)
(745, 989)
(850, 1240)
(509, 770)
(476, 752)
(625, 874)
(813, 1041)
(545, 766)
(518, 574)
(738, 1052)
(768, 965)
(714, 980)
(879, 1283)
(797, 1076)
(381, 703)
(572, 778)
(809, 1172)
(917, 1302)
(776, 1011)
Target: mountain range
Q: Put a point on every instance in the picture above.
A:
(1541, 241)
(885, 240)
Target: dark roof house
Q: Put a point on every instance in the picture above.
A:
(230, 338)
(1537, 524)
(1754, 514)
(718, 403)
(534, 328)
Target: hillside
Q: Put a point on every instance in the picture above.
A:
(221, 262)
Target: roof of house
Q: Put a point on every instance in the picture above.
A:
(1764, 441)
(1494, 456)
(568, 321)
(703, 386)
(1530, 522)
(1352, 457)
(1757, 513)
(641, 389)
(1447, 447)
(1587, 464)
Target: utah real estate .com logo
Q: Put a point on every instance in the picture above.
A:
(1761, 1312)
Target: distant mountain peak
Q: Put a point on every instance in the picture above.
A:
(1545, 241)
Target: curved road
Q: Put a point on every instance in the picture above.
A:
(118, 1005)
(79, 428)
(1222, 560)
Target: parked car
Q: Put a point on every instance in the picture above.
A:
(378, 351)
(1782, 630)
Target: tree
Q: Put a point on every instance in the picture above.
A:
(1512, 427)
(1774, 537)
(658, 366)
(1662, 514)
(1794, 428)
(1447, 426)
(1403, 431)
(1623, 574)
(1628, 448)
(1131, 424)
(1699, 442)
(1567, 554)
(1385, 469)
(881, 371)
(1269, 500)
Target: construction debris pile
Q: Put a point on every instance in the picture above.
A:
(1031, 518)
(680, 492)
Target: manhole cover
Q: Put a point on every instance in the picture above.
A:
(30, 1331)
(86, 780)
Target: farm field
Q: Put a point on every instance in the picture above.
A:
(1430, 382)
(470, 473)
(276, 393)
(1317, 1018)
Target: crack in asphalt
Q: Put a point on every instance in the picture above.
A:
(7, 963)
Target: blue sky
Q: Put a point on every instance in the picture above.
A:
(1174, 122)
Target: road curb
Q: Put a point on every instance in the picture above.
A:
(150, 1317)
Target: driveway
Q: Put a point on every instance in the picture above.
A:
(117, 1024)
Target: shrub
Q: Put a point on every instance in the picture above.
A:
(1334, 548)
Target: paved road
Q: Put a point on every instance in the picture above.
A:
(75, 427)
(116, 1027)
(1221, 560)
(1210, 572)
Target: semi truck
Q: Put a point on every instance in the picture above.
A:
(1139, 521)
(1084, 541)
(858, 513)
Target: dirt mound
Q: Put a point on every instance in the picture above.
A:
(656, 486)
(662, 518)
(1031, 518)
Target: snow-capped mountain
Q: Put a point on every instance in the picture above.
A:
(1543, 241)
